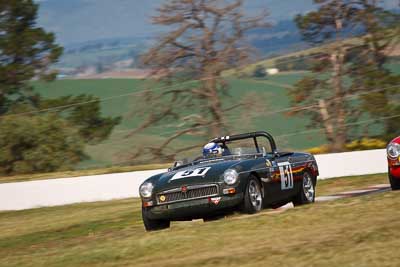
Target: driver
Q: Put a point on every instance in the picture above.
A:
(212, 150)
(215, 150)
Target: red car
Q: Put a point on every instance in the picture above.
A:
(393, 156)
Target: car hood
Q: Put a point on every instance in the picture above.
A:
(203, 173)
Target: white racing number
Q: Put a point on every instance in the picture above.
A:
(286, 175)
(191, 173)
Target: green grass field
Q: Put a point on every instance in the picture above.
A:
(271, 93)
(361, 231)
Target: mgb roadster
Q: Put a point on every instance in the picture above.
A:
(242, 172)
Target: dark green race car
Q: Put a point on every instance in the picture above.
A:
(248, 174)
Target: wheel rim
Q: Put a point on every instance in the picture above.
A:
(255, 195)
(308, 187)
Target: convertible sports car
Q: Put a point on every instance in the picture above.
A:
(393, 157)
(242, 172)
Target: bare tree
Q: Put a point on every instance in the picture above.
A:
(329, 23)
(344, 68)
(204, 38)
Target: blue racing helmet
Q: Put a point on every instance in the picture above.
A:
(212, 149)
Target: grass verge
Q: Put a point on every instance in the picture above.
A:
(360, 231)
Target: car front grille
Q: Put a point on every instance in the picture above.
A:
(188, 193)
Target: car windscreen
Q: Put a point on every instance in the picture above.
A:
(240, 148)
(235, 148)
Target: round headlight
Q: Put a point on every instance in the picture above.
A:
(393, 150)
(146, 189)
(230, 176)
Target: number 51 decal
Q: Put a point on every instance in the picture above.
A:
(286, 175)
(191, 173)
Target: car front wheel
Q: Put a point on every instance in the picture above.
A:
(394, 183)
(153, 225)
(253, 200)
(306, 194)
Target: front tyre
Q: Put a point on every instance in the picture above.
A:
(306, 194)
(253, 200)
(153, 225)
(394, 183)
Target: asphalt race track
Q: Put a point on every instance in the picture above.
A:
(379, 188)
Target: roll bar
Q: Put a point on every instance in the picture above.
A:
(253, 135)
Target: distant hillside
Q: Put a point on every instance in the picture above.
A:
(97, 34)
(297, 53)
(104, 52)
(281, 37)
(78, 21)
(101, 54)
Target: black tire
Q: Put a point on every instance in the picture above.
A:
(253, 199)
(394, 183)
(153, 225)
(306, 194)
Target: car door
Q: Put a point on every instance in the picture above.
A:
(280, 183)
(271, 180)
(284, 182)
